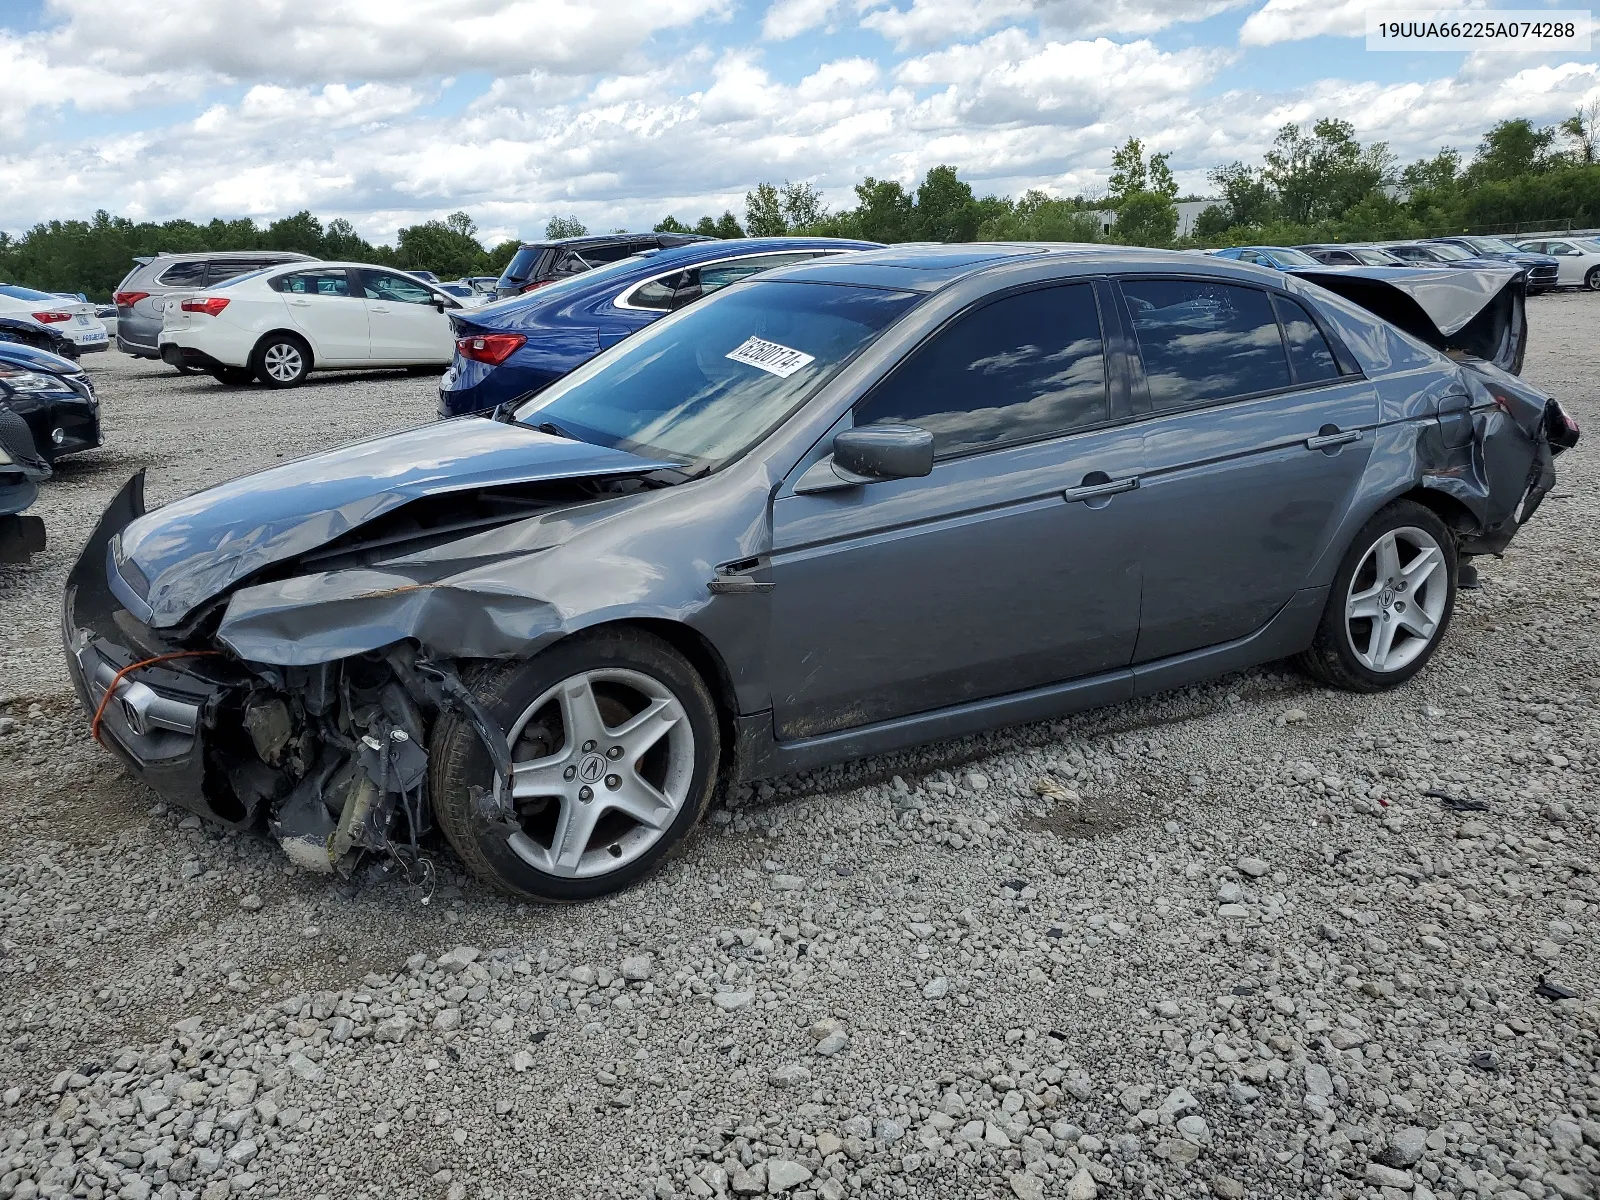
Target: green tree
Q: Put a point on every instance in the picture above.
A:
(1038, 217)
(500, 257)
(1247, 198)
(1146, 219)
(763, 212)
(1129, 174)
(341, 241)
(1320, 174)
(1582, 129)
(1513, 148)
(564, 227)
(945, 208)
(301, 232)
(884, 212)
(671, 224)
(447, 248)
(802, 206)
(725, 226)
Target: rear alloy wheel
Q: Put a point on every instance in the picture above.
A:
(1390, 603)
(1592, 279)
(615, 747)
(282, 360)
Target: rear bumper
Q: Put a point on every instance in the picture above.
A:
(175, 355)
(160, 720)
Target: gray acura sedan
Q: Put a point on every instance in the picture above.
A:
(834, 510)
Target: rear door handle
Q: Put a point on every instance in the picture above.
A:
(1094, 491)
(1322, 441)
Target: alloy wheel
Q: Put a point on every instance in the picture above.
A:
(1396, 600)
(283, 362)
(602, 764)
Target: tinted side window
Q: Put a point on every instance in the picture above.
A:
(185, 274)
(720, 275)
(597, 255)
(313, 283)
(1309, 354)
(1027, 366)
(1205, 341)
(658, 293)
(396, 288)
(227, 268)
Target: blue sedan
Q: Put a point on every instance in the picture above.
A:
(520, 345)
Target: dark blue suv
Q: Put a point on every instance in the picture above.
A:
(518, 346)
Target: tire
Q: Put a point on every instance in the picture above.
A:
(281, 360)
(1592, 279)
(234, 376)
(534, 701)
(1345, 653)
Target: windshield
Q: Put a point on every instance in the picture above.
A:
(1293, 258)
(1587, 245)
(702, 387)
(1377, 258)
(1489, 245)
(1447, 251)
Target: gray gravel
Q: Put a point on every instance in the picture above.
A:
(1223, 943)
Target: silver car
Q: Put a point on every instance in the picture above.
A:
(143, 294)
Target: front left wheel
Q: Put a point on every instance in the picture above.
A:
(1592, 279)
(615, 745)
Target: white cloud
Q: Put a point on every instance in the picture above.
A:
(317, 40)
(1297, 20)
(929, 22)
(790, 18)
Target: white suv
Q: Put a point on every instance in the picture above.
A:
(279, 324)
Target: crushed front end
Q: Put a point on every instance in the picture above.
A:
(333, 756)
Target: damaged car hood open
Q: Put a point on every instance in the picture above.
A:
(171, 560)
(1478, 312)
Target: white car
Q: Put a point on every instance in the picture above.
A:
(283, 322)
(1577, 259)
(69, 318)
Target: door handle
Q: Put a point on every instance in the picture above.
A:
(301, 303)
(1094, 491)
(380, 308)
(1322, 441)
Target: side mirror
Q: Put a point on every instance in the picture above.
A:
(870, 454)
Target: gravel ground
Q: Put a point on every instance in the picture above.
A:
(1229, 942)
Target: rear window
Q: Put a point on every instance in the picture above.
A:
(232, 268)
(1309, 353)
(520, 268)
(22, 293)
(185, 274)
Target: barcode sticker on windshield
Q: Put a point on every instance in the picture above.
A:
(770, 357)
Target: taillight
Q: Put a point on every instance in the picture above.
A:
(51, 318)
(210, 305)
(491, 348)
(128, 298)
(534, 287)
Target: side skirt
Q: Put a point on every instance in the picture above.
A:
(759, 756)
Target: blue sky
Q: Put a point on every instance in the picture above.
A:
(620, 111)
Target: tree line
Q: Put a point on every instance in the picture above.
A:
(1317, 183)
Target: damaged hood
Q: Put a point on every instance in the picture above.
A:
(168, 562)
(1477, 311)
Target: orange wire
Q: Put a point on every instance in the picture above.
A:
(116, 681)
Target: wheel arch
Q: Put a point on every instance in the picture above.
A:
(701, 655)
(311, 348)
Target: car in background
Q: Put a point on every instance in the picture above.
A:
(279, 324)
(1419, 254)
(1337, 255)
(53, 396)
(463, 291)
(538, 264)
(106, 314)
(1577, 259)
(425, 276)
(16, 331)
(142, 296)
(1542, 268)
(480, 283)
(21, 470)
(71, 320)
(1279, 258)
(518, 346)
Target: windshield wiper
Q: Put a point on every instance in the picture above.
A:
(555, 430)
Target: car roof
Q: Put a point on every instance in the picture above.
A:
(610, 239)
(274, 255)
(926, 267)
